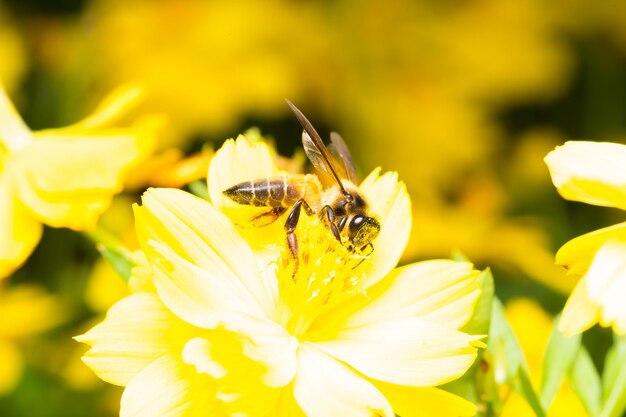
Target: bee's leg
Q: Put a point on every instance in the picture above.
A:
(342, 222)
(269, 217)
(369, 245)
(328, 216)
(290, 227)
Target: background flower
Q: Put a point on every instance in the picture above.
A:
(593, 173)
(61, 177)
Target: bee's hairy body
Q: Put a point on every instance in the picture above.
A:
(276, 192)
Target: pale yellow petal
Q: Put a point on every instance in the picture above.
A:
(439, 291)
(195, 294)
(287, 405)
(606, 281)
(245, 159)
(591, 172)
(238, 161)
(198, 255)
(14, 133)
(114, 106)
(425, 401)
(11, 364)
(20, 231)
(579, 313)
(404, 351)
(578, 253)
(246, 384)
(69, 179)
(168, 387)
(264, 343)
(390, 204)
(137, 330)
(325, 387)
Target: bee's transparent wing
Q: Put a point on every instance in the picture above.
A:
(316, 150)
(339, 150)
(317, 159)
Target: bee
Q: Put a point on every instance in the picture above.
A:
(337, 202)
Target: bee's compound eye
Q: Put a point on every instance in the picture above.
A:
(356, 223)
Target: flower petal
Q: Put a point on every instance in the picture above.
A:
(238, 339)
(425, 401)
(591, 172)
(114, 106)
(578, 253)
(14, 133)
(20, 231)
(390, 203)
(246, 385)
(195, 294)
(168, 387)
(237, 161)
(325, 387)
(404, 351)
(606, 281)
(199, 257)
(599, 294)
(137, 330)
(245, 159)
(439, 291)
(287, 405)
(68, 179)
(579, 313)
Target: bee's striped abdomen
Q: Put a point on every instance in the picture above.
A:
(267, 192)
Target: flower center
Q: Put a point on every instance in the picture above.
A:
(324, 273)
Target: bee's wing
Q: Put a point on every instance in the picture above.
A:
(318, 160)
(339, 151)
(316, 151)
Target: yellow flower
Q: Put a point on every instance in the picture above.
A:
(594, 173)
(61, 177)
(25, 310)
(232, 327)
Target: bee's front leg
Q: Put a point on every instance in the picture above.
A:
(328, 216)
(290, 226)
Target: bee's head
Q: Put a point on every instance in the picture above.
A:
(362, 230)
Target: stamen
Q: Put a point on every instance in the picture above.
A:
(325, 273)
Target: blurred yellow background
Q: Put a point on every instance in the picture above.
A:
(463, 98)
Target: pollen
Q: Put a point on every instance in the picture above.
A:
(325, 273)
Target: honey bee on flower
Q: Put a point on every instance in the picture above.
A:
(340, 205)
(231, 325)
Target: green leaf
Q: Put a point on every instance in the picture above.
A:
(467, 386)
(120, 258)
(481, 319)
(508, 358)
(585, 382)
(560, 354)
(112, 249)
(525, 388)
(458, 256)
(614, 380)
(504, 346)
(200, 189)
(615, 360)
